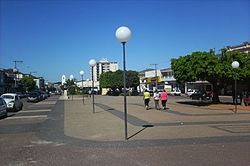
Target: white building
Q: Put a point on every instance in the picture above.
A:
(103, 66)
(244, 47)
(88, 84)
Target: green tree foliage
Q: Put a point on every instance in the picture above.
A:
(216, 69)
(132, 78)
(228, 73)
(28, 83)
(71, 86)
(114, 80)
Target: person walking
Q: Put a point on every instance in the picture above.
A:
(164, 98)
(156, 99)
(146, 98)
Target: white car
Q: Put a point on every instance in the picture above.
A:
(191, 91)
(13, 101)
(175, 93)
(3, 108)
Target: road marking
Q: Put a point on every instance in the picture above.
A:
(27, 117)
(45, 102)
(46, 110)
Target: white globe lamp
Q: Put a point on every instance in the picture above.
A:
(235, 64)
(92, 62)
(123, 34)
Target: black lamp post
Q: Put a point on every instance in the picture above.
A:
(81, 73)
(92, 63)
(235, 65)
(123, 34)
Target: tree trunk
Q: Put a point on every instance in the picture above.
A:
(216, 89)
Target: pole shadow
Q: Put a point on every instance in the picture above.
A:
(144, 127)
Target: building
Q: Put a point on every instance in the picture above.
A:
(151, 76)
(40, 83)
(164, 77)
(103, 66)
(143, 80)
(9, 80)
(244, 47)
(87, 84)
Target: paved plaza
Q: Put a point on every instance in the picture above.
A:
(179, 122)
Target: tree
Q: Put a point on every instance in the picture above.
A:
(114, 80)
(132, 79)
(210, 67)
(28, 83)
(71, 86)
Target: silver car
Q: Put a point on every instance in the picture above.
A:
(3, 108)
(13, 101)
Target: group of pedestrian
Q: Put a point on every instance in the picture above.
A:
(163, 97)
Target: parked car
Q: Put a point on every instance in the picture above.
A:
(41, 95)
(21, 95)
(44, 95)
(176, 92)
(113, 93)
(13, 101)
(3, 108)
(191, 91)
(34, 97)
(198, 95)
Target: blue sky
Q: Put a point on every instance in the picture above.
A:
(59, 37)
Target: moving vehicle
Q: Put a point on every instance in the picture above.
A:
(13, 101)
(3, 108)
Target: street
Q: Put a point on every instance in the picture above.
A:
(66, 132)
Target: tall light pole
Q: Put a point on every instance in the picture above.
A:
(123, 34)
(235, 65)
(81, 73)
(92, 63)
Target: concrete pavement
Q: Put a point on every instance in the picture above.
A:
(180, 121)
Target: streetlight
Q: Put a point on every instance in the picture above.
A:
(235, 65)
(92, 63)
(123, 34)
(81, 73)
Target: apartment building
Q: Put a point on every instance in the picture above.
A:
(244, 47)
(103, 66)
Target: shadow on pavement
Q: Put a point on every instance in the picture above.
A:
(144, 127)
(195, 103)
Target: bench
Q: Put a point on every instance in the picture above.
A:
(246, 101)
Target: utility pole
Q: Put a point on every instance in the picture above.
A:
(17, 62)
(155, 75)
(32, 72)
(16, 70)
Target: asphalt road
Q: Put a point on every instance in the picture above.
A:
(34, 136)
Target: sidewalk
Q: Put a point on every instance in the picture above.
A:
(178, 122)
